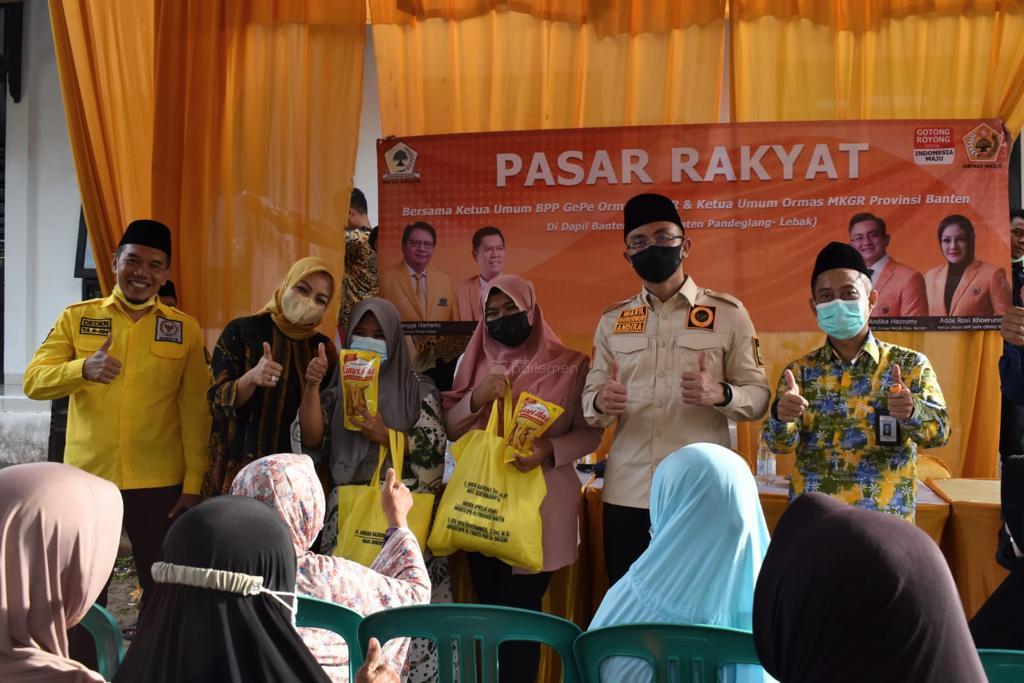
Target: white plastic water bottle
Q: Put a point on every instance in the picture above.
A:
(765, 465)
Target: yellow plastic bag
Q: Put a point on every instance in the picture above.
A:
(489, 506)
(359, 373)
(361, 521)
(532, 417)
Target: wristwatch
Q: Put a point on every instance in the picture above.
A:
(727, 392)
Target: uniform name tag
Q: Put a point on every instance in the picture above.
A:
(888, 430)
(168, 330)
(632, 320)
(100, 327)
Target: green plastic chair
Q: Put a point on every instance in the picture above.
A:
(1003, 666)
(316, 613)
(695, 652)
(468, 626)
(106, 633)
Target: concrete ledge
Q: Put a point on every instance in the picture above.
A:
(23, 437)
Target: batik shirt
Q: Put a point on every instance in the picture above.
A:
(836, 439)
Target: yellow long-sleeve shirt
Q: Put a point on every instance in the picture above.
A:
(148, 428)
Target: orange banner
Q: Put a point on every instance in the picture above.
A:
(758, 201)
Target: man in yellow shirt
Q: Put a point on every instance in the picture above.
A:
(136, 373)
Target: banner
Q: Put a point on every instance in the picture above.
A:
(758, 201)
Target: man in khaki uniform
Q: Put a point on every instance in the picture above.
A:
(672, 364)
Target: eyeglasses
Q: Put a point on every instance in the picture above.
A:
(420, 244)
(641, 243)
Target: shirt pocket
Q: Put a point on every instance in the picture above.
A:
(167, 360)
(633, 358)
(88, 344)
(688, 350)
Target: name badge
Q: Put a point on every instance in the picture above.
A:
(887, 431)
(99, 327)
(633, 320)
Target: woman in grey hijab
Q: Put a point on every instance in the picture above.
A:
(408, 403)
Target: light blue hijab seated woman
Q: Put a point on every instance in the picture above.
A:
(708, 539)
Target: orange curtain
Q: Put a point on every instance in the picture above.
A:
(105, 59)
(794, 60)
(463, 66)
(233, 121)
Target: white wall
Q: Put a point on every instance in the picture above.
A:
(369, 131)
(42, 202)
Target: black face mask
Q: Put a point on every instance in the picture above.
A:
(657, 264)
(510, 330)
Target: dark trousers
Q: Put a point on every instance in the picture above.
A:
(495, 584)
(146, 522)
(997, 623)
(627, 533)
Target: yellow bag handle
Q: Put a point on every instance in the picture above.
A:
(509, 409)
(396, 442)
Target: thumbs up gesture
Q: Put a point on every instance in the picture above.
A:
(701, 388)
(101, 366)
(901, 401)
(317, 369)
(790, 404)
(267, 372)
(611, 400)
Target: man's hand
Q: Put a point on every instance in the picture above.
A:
(542, 450)
(374, 670)
(396, 501)
(101, 366)
(901, 401)
(185, 501)
(266, 372)
(372, 427)
(612, 398)
(701, 388)
(790, 404)
(317, 369)
(1013, 326)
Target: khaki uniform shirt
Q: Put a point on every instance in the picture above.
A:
(654, 342)
(148, 428)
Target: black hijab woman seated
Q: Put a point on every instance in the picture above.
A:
(847, 595)
(223, 604)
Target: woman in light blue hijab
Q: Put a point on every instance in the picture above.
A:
(708, 539)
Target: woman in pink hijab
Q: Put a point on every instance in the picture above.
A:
(514, 344)
(59, 531)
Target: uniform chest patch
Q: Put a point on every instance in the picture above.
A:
(99, 327)
(702, 318)
(632, 320)
(168, 330)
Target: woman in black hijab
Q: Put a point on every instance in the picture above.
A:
(233, 624)
(848, 595)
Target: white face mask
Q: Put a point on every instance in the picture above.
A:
(301, 310)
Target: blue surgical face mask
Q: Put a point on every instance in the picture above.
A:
(841, 319)
(378, 346)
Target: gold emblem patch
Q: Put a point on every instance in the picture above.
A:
(633, 320)
(702, 318)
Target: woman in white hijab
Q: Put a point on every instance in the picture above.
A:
(59, 531)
